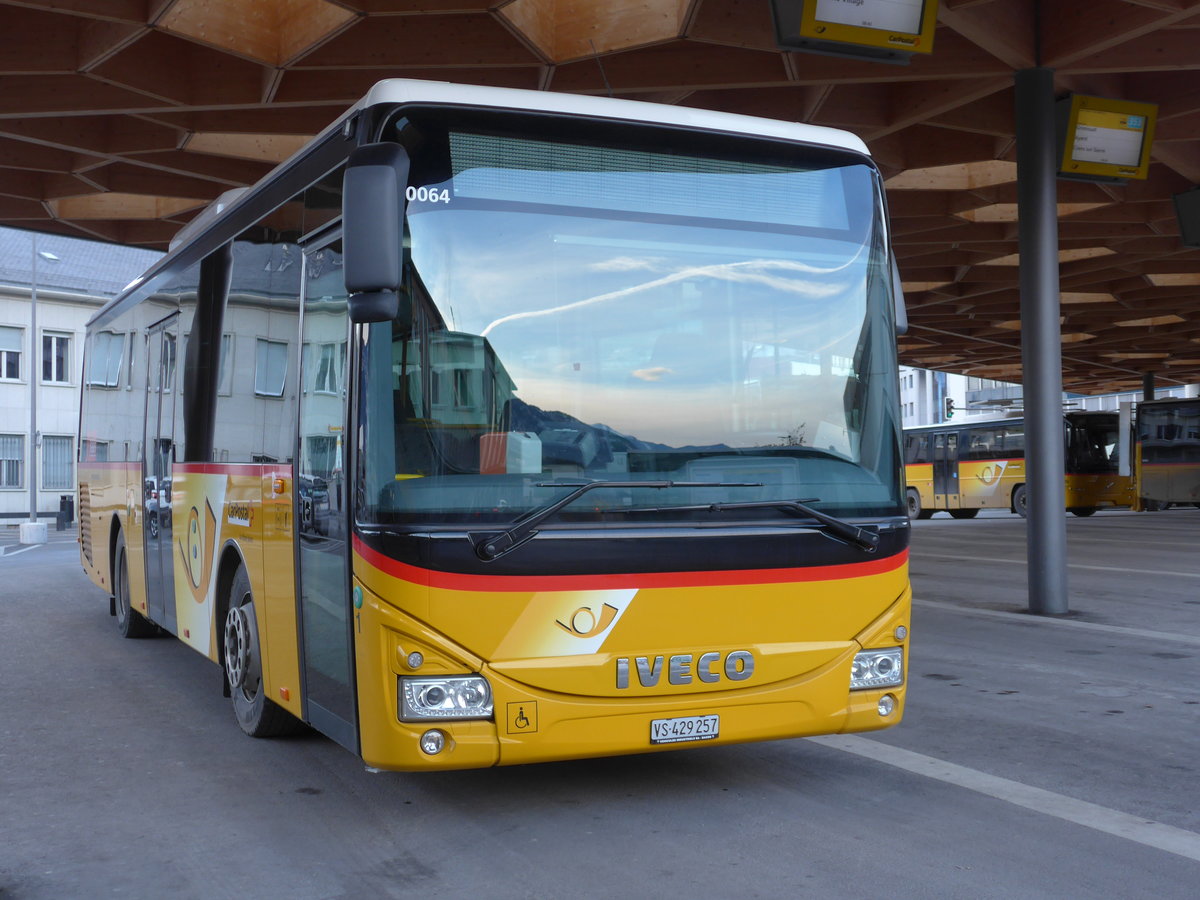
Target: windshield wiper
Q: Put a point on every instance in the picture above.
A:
(859, 537)
(492, 545)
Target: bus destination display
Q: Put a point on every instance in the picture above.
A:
(880, 30)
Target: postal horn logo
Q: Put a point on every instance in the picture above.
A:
(583, 623)
(197, 552)
(991, 473)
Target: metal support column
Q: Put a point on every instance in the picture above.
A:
(1147, 385)
(1041, 350)
(35, 354)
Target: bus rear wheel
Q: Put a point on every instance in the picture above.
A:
(1019, 501)
(964, 513)
(257, 715)
(1083, 511)
(130, 623)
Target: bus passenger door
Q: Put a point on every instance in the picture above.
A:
(945, 471)
(159, 454)
(322, 513)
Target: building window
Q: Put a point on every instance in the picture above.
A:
(58, 463)
(56, 358)
(462, 388)
(12, 460)
(95, 451)
(10, 352)
(321, 455)
(270, 368)
(104, 360)
(225, 376)
(327, 369)
(167, 359)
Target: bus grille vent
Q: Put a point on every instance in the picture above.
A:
(85, 521)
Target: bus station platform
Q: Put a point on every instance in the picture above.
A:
(1125, 570)
(1090, 718)
(1039, 757)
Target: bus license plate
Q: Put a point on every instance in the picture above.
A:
(685, 728)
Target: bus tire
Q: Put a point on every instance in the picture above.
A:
(914, 504)
(1083, 511)
(130, 622)
(964, 513)
(257, 715)
(1019, 501)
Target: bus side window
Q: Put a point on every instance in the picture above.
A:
(984, 443)
(1014, 442)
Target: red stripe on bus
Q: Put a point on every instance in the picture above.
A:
(640, 580)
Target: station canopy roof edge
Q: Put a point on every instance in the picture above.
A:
(121, 119)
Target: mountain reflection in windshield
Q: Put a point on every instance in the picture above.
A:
(566, 440)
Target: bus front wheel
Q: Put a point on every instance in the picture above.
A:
(1019, 501)
(257, 715)
(130, 623)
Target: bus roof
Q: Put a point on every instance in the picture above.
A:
(400, 91)
(444, 93)
(999, 420)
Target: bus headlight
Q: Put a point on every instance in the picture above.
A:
(877, 668)
(447, 697)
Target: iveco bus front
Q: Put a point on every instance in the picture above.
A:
(627, 470)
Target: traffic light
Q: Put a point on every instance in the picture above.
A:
(949, 407)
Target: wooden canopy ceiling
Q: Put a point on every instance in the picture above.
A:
(120, 119)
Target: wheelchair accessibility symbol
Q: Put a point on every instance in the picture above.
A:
(522, 717)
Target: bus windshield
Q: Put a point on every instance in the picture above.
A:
(1092, 443)
(580, 311)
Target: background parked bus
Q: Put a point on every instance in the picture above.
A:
(1168, 452)
(504, 426)
(981, 465)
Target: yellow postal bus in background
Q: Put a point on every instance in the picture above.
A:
(1167, 452)
(500, 426)
(978, 465)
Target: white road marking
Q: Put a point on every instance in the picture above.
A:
(1090, 815)
(917, 555)
(9, 552)
(1068, 623)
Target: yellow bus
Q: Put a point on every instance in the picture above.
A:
(978, 465)
(500, 426)
(1167, 455)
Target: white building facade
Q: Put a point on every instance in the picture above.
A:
(70, 279)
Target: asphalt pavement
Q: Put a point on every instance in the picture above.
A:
(1039, 757)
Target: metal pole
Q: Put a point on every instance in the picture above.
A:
(1041, 349)
(33, 379)
(1147, 385)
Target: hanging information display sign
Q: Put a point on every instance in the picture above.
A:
(880, 30)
